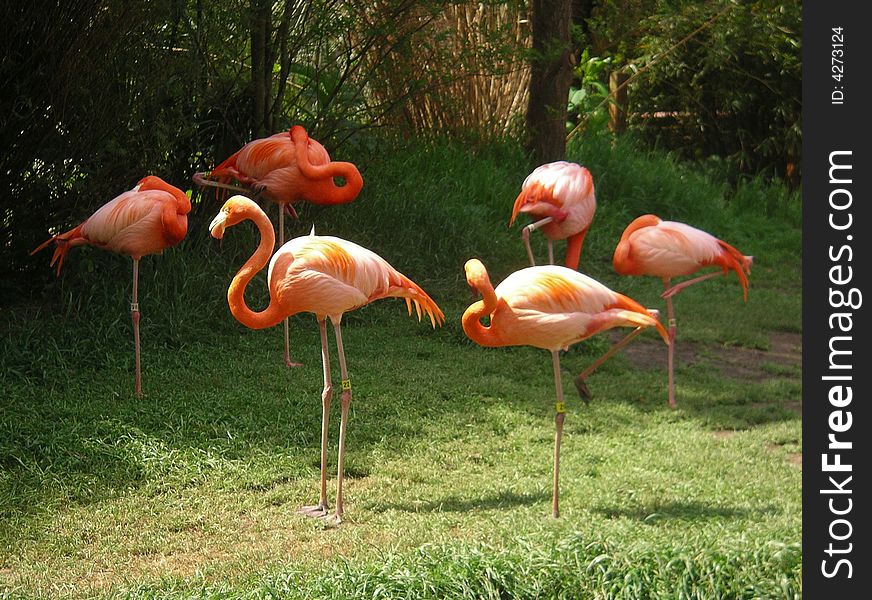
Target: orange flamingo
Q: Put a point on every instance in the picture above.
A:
(549, 307)
(285, 168)
(560, 197)
(145, 220)
(326, 276)
(667, 249)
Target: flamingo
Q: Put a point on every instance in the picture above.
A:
(560, 197)
(285, 168)
(549, 307)
(145, 220)
(667, 249)
(326, 276)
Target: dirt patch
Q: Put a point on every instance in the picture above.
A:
(746, 364)
(722, 434)
(794, 458)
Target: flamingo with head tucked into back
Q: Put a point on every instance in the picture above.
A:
(560, 197)
(667, 249)
(549, 307)
(326, 276)
(145, 220)
(285, 168)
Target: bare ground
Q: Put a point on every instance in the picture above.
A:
(747, 364)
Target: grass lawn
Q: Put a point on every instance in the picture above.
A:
(193, 489)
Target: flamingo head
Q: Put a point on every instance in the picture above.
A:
(298, 132)
(476, 275)
(235, 210)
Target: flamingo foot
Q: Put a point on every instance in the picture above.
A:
(672, 291)
(317, 511)
(291, 364)
(333, 520)
(583, 390)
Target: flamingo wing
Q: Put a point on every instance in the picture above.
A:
(130, 223)
(330, 276)
(554, 289)
(672, 249)
(258, 158)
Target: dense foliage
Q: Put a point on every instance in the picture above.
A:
(100, 92)
(711, 79)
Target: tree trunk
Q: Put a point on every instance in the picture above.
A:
(550, 77)
(260, 10)
(618, 107)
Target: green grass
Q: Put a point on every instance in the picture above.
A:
(192, 491)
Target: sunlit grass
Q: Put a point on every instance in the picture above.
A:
(193, 489)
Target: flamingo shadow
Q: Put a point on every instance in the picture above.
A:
(686, 511)
(499, 500)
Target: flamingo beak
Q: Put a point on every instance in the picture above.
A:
(216, 227)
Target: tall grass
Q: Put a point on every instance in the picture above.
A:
(484, 90)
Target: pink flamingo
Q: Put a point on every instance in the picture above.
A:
(549, 307)
(560, 197)
(326, 276)
(667, 249)
(285, 168)
(145, 220)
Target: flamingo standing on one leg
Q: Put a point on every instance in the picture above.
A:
(548, 307)
(326, 276)
(145, 220)
(285, 168)
(560, 197)
(667, 249)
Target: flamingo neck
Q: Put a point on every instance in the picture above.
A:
(471, 321)
(573, 249)
(622, 261)
(322, 176)
(273, 313)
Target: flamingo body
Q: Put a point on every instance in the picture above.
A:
(667, 249)
(329, 276)
(288, 167)
(563, 191)
(550, 307)
(145, 220)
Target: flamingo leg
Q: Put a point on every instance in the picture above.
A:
(285, 324)
(550, 252)
(669, 292)
(345, 402)
(200, 180)
(558, 433)
(320, 509)
(671, 356)
(580, 385)
(525, 235)
(135, 316)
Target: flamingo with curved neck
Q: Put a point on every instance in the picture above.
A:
(326, 276)
(561, 199)
(550, 307)
(285, 168)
